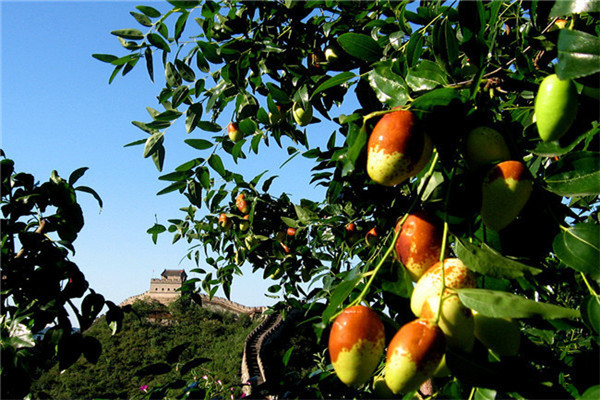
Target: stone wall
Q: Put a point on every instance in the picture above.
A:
(216, 304)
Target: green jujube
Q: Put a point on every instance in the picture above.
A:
(555, 107)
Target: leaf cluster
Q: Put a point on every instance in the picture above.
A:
(40, 222)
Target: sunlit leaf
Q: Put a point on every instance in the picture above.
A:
(337, 80)
(575, 174)
(360, 46)
(564, 8)
(497, 304)
(388, 86)
(578, 54)
(489, 262)
(579, 247)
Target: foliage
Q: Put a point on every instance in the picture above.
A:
(456, 66)
(159, 349)
(39, 281)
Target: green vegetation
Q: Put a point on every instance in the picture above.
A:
(175, 343)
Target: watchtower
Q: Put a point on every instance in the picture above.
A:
(167, 285)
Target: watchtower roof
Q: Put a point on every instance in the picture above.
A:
(174, 273)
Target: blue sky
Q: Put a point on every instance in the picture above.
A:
(59, 113)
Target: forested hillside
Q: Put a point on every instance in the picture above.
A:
(174, 343)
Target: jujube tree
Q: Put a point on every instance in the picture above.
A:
(413, 81)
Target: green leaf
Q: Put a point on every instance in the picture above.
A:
(132, 34)
(217, 164)
(341, 293)
(179, 95)
(107, 58)
(592, 393)
(209, 51)
(388, 86)
(334, 81)
(558, 148)
(156, 230)
(564, 8)
(590, 312)
(305, 216)
(579, 248)
(427, 75)
(141, 18)
(152, 143)
(92, 192)
(199, 144)
(184, 3)
(360, 46)
(171, 188)
(193, 115)
(414, 49)
(489, 262)
(176, 176)
(149, 11)
(149, 63)
(497, 304)
(187, 73)
(292, 223)
(172, 76)
(287, 356)
(157, 41)
(209, 126)
(578, 54)
(158, 157)
(180, 24)
(436, 98)
(75, 175)
(576, 174)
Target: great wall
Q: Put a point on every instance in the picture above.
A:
(254, 372)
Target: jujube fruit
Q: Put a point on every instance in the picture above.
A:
(505, 191)
(395, 148)
(555, 107)
(372, 237)
(234, 132)
(456, 276)
(413, 355)
(224, 221)
(302, 115)
(241, 203)
(356, 344)
(485, 145)
(420, 242)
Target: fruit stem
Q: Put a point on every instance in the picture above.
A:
(373, 273)
(472, 394)
(443, 250)
(587, 283)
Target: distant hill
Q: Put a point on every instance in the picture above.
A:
(172, 342)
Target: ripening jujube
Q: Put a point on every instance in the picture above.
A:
(419, 243)
(356, 344)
